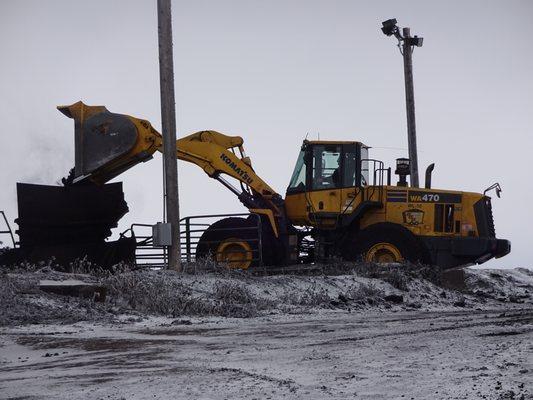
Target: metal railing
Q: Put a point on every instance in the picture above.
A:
(372, 188)
(192, 229)
(146, 253)
(8, 231)
(378, 169)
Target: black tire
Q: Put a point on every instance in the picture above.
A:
(241, 228)
(358, 245)
(221, 230)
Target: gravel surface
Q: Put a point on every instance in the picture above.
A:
(467, 354)
(368, 333)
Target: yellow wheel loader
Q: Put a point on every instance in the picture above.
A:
(339, 205)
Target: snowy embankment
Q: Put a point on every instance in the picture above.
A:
(132, 295)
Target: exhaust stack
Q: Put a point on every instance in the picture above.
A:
(429, 171)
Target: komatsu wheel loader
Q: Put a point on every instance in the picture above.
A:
(339, 203)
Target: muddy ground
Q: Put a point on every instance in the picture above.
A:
(296, 337)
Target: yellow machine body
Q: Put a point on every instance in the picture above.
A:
(423, 212)
(337, 194)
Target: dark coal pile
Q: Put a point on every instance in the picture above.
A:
(69, 223)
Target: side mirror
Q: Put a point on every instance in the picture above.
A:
(496, 186)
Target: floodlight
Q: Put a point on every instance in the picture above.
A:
(403, 166)
(415, 41)
(389, 26)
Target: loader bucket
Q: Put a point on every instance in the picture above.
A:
(100, 136)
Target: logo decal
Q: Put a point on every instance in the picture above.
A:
(413, 217)
(433, 197)
(242, 173)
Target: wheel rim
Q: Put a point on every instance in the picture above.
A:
(383, 253)
(235, 253)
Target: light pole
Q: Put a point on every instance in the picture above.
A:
(406, 44)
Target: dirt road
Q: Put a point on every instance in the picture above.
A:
(329, 355)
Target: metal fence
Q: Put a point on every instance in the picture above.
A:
(191, 230)
(8, 230)
(146, 254)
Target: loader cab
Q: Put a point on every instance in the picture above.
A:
(325, 173)
(329, 165)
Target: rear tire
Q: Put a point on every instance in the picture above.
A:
(384, 243)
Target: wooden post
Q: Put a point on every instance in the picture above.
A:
(168, 121)
(410, 105)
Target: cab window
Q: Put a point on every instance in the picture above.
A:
(297, 183)
(364, 166)
(326, 167)
(350, 166)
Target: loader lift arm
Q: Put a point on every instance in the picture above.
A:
(107, 144)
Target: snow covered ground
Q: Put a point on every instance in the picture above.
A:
(357, 335)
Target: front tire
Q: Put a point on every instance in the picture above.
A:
(234, 242)
(231, 241)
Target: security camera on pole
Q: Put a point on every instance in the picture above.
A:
(406, 44)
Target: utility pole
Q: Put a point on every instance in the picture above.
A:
(410, 105)
(406, 44)
(168, 121)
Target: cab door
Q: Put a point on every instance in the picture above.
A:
(353, 178)
(326, 175)
(296, 203)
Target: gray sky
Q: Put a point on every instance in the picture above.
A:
(273, 71)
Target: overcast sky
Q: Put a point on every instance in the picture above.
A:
(272, 72)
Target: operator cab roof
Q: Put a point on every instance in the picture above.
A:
(335, 142)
